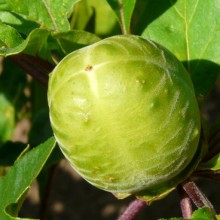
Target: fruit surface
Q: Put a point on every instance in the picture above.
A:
(124, 113)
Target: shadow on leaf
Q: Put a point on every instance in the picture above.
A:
(147, 11)
(203, 73)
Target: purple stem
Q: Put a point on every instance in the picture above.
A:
(185, 203)
(196, 195)
(34, 66)
(133, 210)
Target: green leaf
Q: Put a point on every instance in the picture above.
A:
(189, 29)
(7, 118)
(18, 22)
(95, 16)
(9, 36)
(123, 10)
(19, 178)
(35, 44)
(49, 14)
(203, 214)
(212, 164)
(73, 40)
(9, 152)
(16, 80)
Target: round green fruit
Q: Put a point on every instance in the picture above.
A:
(124, 113)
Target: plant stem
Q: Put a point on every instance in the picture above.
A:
(121, 11)
(196, 195)
(133, 210)
(185, 203)
(34, 66)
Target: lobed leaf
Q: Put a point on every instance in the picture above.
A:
(49, 14)
(19, 178)
(190, 29)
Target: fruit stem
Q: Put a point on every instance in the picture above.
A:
(185, 203)
(196, 195)
(34, 66)
(134, 208)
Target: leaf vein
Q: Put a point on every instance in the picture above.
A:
(194, 11)
(51, 15)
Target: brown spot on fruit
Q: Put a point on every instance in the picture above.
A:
(88, 68)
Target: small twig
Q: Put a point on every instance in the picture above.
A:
(185, 203)
(196, 195)
(34, 66)
(133, 210)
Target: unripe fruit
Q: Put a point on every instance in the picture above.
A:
(124, 113)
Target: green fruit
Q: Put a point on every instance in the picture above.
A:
(124, 113)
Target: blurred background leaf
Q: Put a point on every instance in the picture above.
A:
(95, 16)
(9, 152)
(12, 98)
(7, 119)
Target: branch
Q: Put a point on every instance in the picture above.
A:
(34, 66)
(133, 210)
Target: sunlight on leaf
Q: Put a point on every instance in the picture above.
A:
(18, 22)
(191, 30)
(20, 177)
(49, 14)
(9, 36)
(35, 44)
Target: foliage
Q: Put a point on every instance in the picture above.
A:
(35, 36)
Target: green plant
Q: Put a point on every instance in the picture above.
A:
(110, 97)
